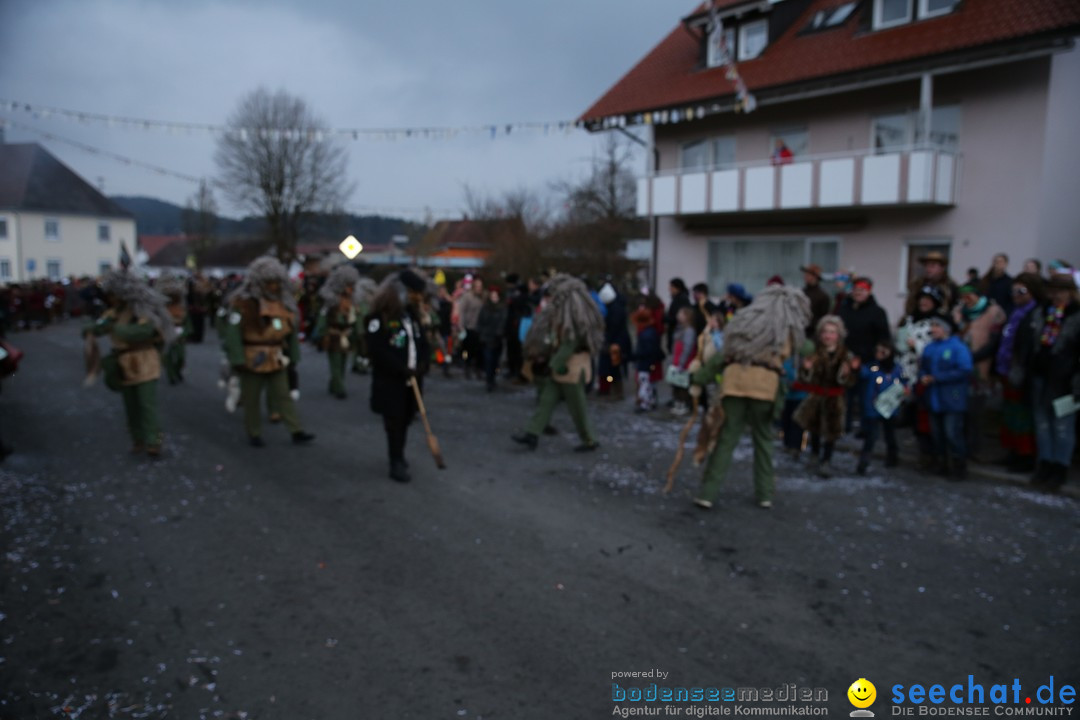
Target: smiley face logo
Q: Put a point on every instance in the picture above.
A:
(862, 693)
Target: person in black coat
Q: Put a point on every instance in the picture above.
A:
(996, 284)
(680, 298)
(399, 352)
(867, 325)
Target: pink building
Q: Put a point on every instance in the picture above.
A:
(909, 126)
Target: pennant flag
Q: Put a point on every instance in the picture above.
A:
(125, 256)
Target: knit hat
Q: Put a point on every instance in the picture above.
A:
(737, 291)
(607, 293)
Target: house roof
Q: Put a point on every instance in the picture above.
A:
(32, 179)
(153, 244)
(225, 253)
(466, 234)
(671, 76)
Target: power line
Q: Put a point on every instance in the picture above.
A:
(549, 127)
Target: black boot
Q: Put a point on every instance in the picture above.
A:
(398, 471)
(1055, 477)
(863, 466)
(527, 439)
(1022, 464)
(302, 438)
(959, 470)
(892, 458)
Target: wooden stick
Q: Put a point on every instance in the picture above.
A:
(682, 447)
(432, 441)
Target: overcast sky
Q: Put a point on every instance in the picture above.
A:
(358, 63)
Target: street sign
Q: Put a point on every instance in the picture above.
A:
(350, 247)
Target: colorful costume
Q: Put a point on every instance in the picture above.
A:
(139, 326)
(261, 342)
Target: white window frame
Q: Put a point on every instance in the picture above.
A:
(905, 252)
(715, 162)
(926, 13)
(45, 228)
(108, 232)
(59, 269)
(4, 234)
(879, 24)
(5, 275)
(713, 59)
(706, 143)
(742, 53)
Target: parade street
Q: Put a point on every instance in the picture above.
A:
(229, 581)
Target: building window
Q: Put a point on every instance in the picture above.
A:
(103, 232)
(753, 37)
(786, 145)
(753, 260)
(933, 8)
(715, 154)
(717, 55)
(694, 155)
(104, 266)
(52, 269)
(52, 229)
(3, 229)
(898, 132)
(916, 249)
(890, 13)
(5, 270)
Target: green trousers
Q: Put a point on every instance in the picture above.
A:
(549, 395)
(140, 406)
(337, 372)
(739, 412)
(174, 362)
(276, 385)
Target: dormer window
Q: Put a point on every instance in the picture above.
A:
(715, 54)
(890, 13)
(753, 37)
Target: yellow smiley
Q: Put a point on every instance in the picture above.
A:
(862, 693)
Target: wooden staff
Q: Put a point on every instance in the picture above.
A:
(432, 441)
(682, 446)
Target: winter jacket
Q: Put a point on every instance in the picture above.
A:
(866, 324)
(876, 380)
(685, 347)
(1059, 364)
(819, 306)
(468, 309)
(491, 323)
(648, 356)
(949, 362)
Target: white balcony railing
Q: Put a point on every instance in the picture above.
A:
(916, 177)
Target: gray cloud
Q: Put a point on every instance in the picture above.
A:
(358, 64)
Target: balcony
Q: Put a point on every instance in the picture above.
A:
(913, 178)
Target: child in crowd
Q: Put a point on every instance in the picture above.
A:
(683, 352)
(793, 432)
(945, 372)
(648, 359)
(826, 375)
(883, 374)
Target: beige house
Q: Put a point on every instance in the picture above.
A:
(53, 224)
(883, 129)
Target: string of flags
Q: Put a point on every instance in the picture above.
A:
(318, 135)
(744, 99)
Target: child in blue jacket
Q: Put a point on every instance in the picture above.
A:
(945, 371)
(877, 377)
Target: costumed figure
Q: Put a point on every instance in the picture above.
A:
(825, 376)
(400, 355)
(175, 293)
(338, 325)
(363, 295)
(261, 343)
(757, 339)
(139, 326)
(565, 336)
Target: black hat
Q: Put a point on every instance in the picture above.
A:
(412, 281)
(1061, 281)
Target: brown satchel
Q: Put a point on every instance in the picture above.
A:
(578, 369)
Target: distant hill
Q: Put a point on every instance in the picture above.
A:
(158, 217)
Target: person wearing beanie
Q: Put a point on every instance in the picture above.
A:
(338, 327)
(1054, 368)
(400, 353)
(140, 327)
(611, 366)
(945, 371)
(261, 342)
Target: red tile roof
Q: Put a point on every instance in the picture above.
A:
(153, 244)
(669, 75)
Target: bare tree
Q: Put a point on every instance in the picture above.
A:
(278, 160)
(516, 225)
(609, 192)
(199, 221)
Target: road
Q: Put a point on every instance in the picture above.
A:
(300, 582)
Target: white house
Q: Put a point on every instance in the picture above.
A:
(910, 126)
(54, 224)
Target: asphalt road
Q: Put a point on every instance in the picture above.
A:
(299, 582)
